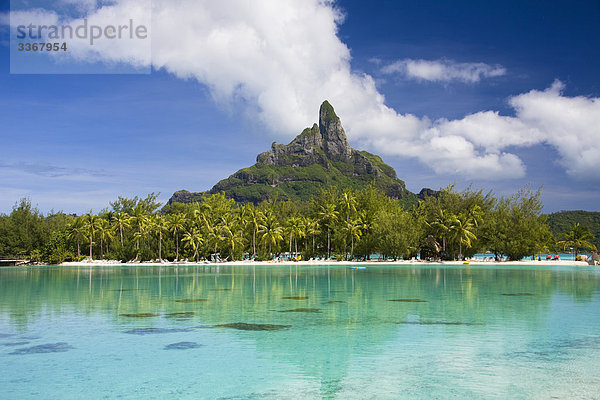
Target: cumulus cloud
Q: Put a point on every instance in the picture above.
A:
(277, 61)
(443, 70)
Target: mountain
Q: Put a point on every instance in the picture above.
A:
(318, 157)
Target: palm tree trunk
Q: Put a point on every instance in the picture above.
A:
(91, 247)
(121, 233)
(253, 243)
(352, 249)
(160, 246)
(78, 253)
(101, 248)
(328, 244)
(177, 243)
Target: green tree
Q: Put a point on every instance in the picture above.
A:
(328, 216)
(177, 225)
(578, 238)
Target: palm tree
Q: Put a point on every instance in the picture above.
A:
(231, 232)
(296, 229)
(254, 218)
(312, 229)
(578, 237)
(328, 216)
(348, 204)
(160, 225)
(354, 229)
(271, 231)
(140, 219)
(91, 225)
(105, 234)
(176, 225)
(77, 232)
(194, 240)
(461, 227)
(441, 226)
(121, 220)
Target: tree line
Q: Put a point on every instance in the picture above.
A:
(340, 224)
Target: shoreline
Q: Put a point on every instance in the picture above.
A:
(101, 263)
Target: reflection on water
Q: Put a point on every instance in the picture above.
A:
(304, 331)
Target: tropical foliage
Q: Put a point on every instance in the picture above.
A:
(348, 224)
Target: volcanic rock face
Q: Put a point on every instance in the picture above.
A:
(319, 157)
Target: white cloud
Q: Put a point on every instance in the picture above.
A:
(277, 61)
(443, 70)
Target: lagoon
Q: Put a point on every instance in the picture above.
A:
(300, 331)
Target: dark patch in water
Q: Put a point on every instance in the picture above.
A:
(306, 310)
(5, 335)
(45, 348)
(187, 314)
(221, 290)
(15, 344)
(295, 298)
(438, 323)
(335, 301)
(190, 300)
(139, 315)
(182, 346)
(150, 331)
(254, 327)
(125, 290)
(409, 300)
(518, 294)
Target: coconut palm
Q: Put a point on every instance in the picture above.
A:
(194, 240)
(578, 237)
(77, 232)
(328, 216)
(296, 229)
(91, 222)
(312, 229)
(461, 228)
(231, 232)
(139, 220)
(104, 232)
(254, 218)
(160, 225)
(270, 231)
(176, 225)
(121, 221)
(348, 204)
(354, 229)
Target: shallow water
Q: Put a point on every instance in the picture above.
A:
(290, 332)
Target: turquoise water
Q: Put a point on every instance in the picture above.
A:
(386, 332)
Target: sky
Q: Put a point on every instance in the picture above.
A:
(494, 95)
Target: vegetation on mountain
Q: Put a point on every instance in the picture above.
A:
(317, 158)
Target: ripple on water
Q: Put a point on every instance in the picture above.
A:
(45, 348)
(303, 310)
(295, 298)
(518, 294)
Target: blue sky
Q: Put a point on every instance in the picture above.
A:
(493, 94)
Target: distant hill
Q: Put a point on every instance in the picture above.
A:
(318, 157)
(562, 221)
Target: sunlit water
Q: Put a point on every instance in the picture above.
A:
(385, 332)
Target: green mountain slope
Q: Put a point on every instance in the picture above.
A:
(319, 157)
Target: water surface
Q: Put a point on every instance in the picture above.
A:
(287, 332)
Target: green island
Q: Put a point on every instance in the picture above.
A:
(313, 198)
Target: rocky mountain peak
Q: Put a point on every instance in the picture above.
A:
(335, 142)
